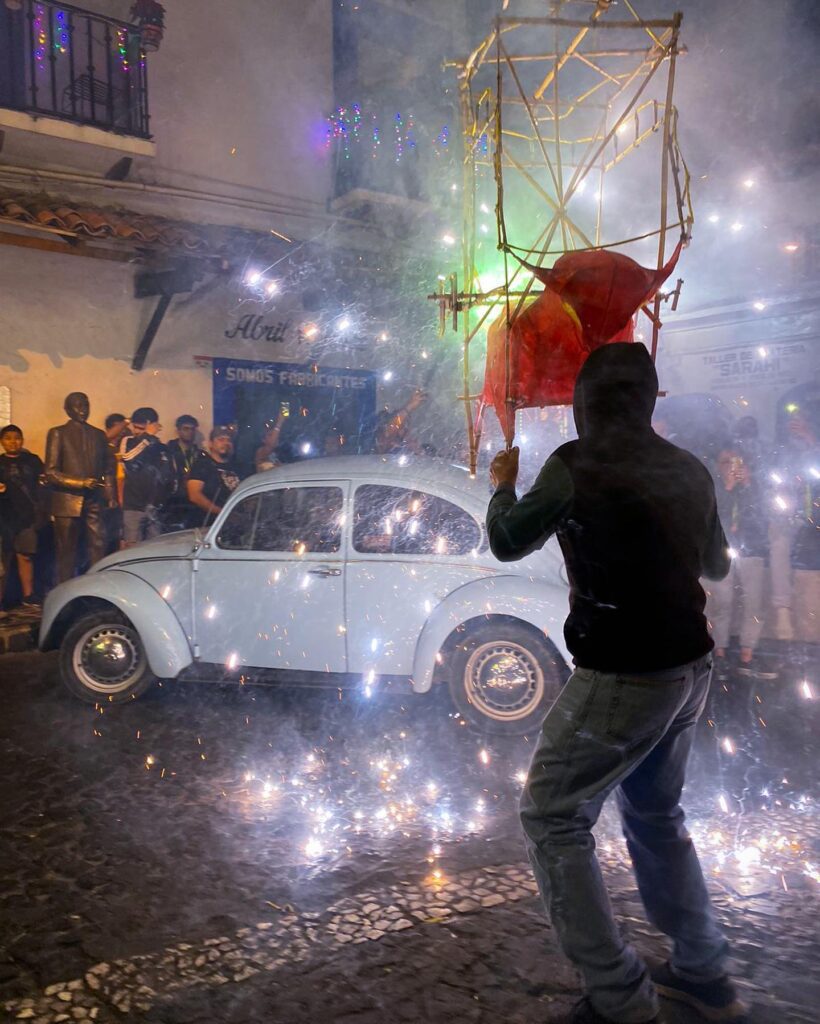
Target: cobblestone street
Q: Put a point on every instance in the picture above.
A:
(243, 854)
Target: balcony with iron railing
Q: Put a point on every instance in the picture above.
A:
(60, 61)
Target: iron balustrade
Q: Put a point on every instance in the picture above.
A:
(61, 61)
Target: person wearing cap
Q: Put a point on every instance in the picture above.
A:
(637, 521)
(213, 477)
(149, 477)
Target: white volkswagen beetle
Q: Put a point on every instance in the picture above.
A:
(350, 571)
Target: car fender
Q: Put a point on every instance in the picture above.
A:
(543, 605)
(166, 646)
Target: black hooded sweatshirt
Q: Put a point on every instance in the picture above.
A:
(636, 519)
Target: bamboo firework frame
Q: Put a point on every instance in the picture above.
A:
(544, 105)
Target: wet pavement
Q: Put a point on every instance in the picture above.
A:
(233, 853)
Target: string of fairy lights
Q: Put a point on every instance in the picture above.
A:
(56, 25)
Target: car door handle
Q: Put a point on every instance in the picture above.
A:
(325, 570)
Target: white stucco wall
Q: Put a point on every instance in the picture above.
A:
(237, 93)
(72, 324)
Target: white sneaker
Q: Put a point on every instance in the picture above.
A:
(783, 626)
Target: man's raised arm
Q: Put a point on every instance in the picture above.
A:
(516, 528)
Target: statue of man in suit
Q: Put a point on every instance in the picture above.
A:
(81, 470)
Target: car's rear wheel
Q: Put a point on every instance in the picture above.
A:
(504, 677)
(102, 659)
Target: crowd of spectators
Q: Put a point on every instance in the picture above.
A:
(159, 488)
(768, 498)
(769, 503)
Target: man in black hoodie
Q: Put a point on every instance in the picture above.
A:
(637, 522)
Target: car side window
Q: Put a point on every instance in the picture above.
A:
(295, 519)
(236, 533)
(397, 521)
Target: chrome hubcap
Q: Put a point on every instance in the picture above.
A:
(504, 680)
(108, 659)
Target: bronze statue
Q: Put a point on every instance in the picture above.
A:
(81, 470)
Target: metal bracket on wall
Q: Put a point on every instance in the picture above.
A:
(166, 284)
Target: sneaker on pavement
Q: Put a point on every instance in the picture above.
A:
(585, 1013)
(713, 1000)
(757, 669)
(720, 668)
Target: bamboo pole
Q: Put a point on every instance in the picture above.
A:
(667, 125)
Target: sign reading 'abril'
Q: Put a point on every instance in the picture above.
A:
(254, 328)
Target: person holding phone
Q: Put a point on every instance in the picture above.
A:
(742, 511)
(265, 456)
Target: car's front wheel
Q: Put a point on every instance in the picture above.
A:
(102, 659)
(504, 677)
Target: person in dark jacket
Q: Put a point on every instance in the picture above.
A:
(742, 511)
(149, 477)
(637, 521)
(183, 452)
(21, 510)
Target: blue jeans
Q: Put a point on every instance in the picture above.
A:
(631, 733)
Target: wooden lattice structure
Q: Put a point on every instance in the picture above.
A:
(549, 106)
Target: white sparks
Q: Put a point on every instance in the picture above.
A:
(763, 352)
(806, 691)
(387, 375)
(233, 661)
(713, 218)
(313, 848)
(723, 804)
(748, 183)
(484, 756)
(759, 305)
(210, 612)
(781, 502)
(728, 746)
(737, 226)
(776, 478)
(448, 239)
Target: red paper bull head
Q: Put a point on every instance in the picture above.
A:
(589, 300)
